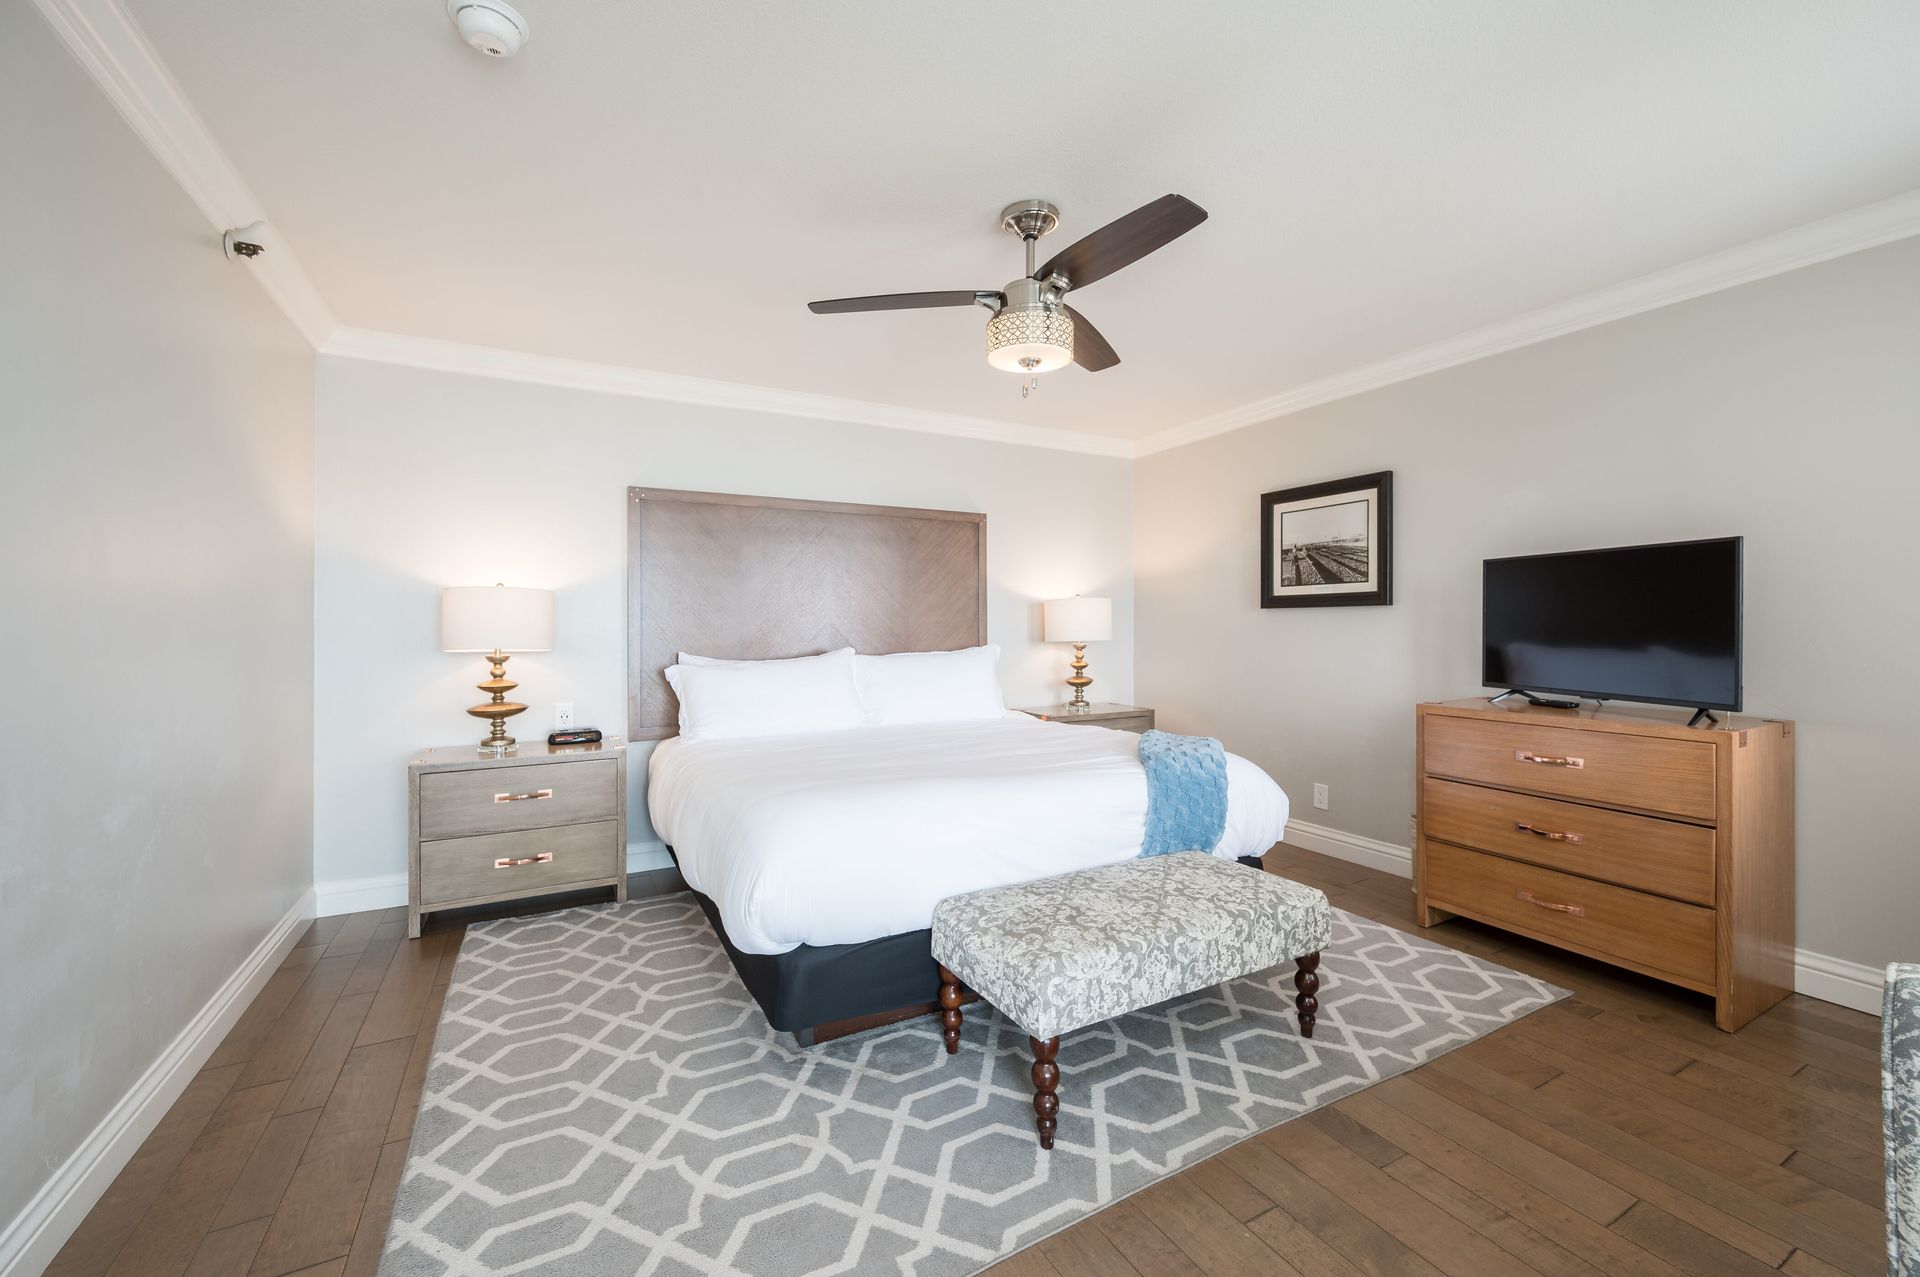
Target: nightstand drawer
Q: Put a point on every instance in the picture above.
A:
(524, 862)
(1137, 724)
(497, 799)
(1667, 857)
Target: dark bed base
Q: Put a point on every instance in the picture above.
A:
(822, 992)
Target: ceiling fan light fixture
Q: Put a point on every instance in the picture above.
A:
(1030, 339)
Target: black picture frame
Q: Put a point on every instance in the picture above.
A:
(1378, 548)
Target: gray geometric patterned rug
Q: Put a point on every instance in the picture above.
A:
(605, 1097)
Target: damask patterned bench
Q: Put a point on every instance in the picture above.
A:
(1062, 953)
(1900, 1084)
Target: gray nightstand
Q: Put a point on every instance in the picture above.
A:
(1126, 718)
(482, 829)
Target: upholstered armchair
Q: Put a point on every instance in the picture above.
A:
(1900, 1086)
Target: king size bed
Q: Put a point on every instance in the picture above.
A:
(819, 843)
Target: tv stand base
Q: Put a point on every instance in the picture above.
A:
(1702, 716)
(1546, 702)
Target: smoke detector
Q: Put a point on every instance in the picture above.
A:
(491, 26)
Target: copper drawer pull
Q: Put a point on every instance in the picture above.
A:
(544, 857)
(1548, 760)
(1549, 834)
(1578, 911)
(531, 796)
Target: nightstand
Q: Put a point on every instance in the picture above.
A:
(541, 820)
(1125, 718)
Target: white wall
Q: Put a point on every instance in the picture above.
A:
(1787, 411)
(430, 478)
(156, 504)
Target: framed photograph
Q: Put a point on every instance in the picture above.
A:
(1328, 544)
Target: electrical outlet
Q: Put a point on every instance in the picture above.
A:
(562, 715)
(1319, 797)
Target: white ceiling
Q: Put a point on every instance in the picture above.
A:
(665, 184)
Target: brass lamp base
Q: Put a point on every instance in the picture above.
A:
(499, 709)
(1079, 681)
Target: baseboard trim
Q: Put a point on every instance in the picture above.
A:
(1338, 843)
(384, 891)
(31, 1240)
(643, 857)
(1836, 980)
(356, 895)
(1849, 984)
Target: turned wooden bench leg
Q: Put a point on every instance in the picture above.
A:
(1046, 1082)
(1306, 980)
(950, 1011)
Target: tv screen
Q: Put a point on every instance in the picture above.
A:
(1656, 623)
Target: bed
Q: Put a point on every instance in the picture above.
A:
(819, 856)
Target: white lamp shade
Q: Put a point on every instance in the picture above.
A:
(1078, 620)
(485, 618)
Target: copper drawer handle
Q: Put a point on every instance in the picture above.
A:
(531, 796)
(1548, 760)
(544, 857)
(1578, 911)
(1549, 834)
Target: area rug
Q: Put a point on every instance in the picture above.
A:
(605, 1097)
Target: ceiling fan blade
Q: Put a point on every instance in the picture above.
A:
(1090, 349)
(1125, 241)
(898, 301)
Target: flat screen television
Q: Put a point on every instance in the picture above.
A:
(1656, 623)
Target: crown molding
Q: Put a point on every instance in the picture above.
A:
(1850, 232)
(107, 42)
(617, 379)
(115, 52)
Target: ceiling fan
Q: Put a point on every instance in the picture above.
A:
(1033, 330)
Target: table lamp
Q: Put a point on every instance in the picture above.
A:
(496, 620)
(1079, 621)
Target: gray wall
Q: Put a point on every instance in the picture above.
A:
(1787, 411)
(429, 479)
(156, 506)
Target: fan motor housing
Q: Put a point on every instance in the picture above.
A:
(1032, 333)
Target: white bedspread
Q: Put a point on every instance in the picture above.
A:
(845, 836)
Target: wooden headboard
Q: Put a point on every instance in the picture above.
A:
(756, 578)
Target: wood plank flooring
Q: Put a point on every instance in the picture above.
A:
(1615, 1132)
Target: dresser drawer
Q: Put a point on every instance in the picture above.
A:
(1650, 773)
(496, 799)
(1666, 857)
(539, 860)
(1657, 935)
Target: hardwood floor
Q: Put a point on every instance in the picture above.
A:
(1615, 1132)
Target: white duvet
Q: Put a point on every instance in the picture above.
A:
(844, 836)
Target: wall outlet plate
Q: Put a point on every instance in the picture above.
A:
(1319, 797)
(562, 715)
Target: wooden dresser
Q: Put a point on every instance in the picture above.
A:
(1620, 834)
(541, 820)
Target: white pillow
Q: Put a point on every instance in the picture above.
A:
(931, 687)
(767, 698)
(688, 658)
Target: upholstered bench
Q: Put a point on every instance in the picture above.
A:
(1062, 953)
(1900, 1086)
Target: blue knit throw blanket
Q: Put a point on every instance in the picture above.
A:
(1186, 792)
